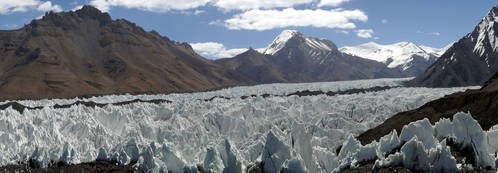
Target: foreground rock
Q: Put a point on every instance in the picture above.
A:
(103, 167)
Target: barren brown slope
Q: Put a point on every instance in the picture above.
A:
(482, 104)
(255, 66)
(85, 52)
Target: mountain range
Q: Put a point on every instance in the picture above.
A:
(470, 61)
(410, 58)
(85, 52)
(295, 57)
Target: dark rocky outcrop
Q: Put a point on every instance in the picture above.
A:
(470, 61)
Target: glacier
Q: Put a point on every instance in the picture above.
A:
(273, 89)
(426, 147)
(298, 134)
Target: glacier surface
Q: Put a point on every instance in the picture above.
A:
(425, 147)
(222, 135)
(234, 92)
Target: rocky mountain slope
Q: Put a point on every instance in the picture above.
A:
(294, 57)
(470, 61)
(410, 58)
(85, 52)
(254, 65)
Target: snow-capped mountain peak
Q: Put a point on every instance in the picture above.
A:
(313, 43)
(280, 41)
(395, 55)
(486, 33)
(470, 61)
(436, 51)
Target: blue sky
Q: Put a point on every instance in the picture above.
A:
(226, 27)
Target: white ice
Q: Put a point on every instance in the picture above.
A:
(189, 132)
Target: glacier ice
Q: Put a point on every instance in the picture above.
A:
(275, 153)
(350, 147)
(421, 129)
(235, 92)
(170, 159)
(218, 135)
(229, 157)
(414, 155)
(468, 133)
(441, 159)
(102, 156)
(428, 150)
(295, 166)
(326, 160)
(387, 144)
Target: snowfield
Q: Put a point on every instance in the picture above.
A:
(396, 54)
(288, 132)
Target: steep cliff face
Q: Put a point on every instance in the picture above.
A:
(85, 52)
(470, 61)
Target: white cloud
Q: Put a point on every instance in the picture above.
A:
(191, 12)
(343, 32)
(9, 26)
(258, 4)
(332, 3)
(47, 6)
(364, 33)
(197, 12)
(150, 5)
(12, 6)
(384, 21)
(269, 19)
(216, 50)
(434, 33)
(429, 33)
(77, 8)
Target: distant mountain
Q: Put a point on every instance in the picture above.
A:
(318, 47)
(470, 61)
(85, 52)
(436, 51)
(294, 57)
(255, 66)
(411, 59)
